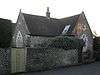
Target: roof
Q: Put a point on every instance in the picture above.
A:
(71, 21)
(40, 25)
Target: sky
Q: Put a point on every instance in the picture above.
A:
(9, 9)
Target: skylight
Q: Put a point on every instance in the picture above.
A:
(65, 29)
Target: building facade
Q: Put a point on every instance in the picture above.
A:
(31, 29)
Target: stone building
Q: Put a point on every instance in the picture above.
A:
(31, 29)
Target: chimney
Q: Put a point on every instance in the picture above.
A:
(48, 13)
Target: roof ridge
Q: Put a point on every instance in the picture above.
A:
(39, 16)
(71, 16)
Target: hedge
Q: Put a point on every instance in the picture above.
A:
(64, 42)
(5, 33)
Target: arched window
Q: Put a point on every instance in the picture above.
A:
(19, 40)
(85, 39)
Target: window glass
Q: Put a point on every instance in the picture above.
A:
(66, 29)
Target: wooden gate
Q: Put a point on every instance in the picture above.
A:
(18, 59)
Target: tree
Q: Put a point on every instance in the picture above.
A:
(5, 33)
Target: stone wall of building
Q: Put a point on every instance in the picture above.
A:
(5, 61)
(85, 33)
(48, 58)
(51, 52)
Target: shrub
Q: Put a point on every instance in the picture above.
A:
(63, 42)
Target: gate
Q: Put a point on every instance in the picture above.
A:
(18, 59)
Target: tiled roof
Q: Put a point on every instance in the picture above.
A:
(40, 25)
(71, 21)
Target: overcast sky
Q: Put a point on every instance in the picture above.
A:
(9, 9)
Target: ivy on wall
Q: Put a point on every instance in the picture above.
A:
(54, 52)
(63, 42)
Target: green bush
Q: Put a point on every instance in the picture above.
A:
(63, 42)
